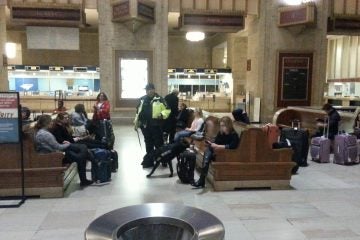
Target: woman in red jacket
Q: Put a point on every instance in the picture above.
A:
(101, 107)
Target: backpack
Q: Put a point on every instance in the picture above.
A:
(101, 165)
(186, 166)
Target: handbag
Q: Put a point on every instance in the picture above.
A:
(79, 131)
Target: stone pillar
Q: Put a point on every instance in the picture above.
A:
(4, 83)
(266, 39)
(116, 36)
(236, 60)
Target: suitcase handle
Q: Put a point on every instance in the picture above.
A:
(326, 133)
(298, 126)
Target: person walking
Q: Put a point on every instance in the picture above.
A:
(150, 114)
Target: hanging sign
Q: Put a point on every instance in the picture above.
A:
(210, 71)
(190, 71)
(9, 117)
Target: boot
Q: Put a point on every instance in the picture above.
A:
(199, 183)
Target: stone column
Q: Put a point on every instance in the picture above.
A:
(236, 59)
(266, 39)
(116, 36)
(4, 83)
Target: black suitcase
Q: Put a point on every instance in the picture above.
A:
(186, 166)
(114, 161)
(105, 133)
(299, 139)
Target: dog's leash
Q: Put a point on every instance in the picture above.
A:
(138, 137)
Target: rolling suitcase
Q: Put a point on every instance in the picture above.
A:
(186, 166)
(105, 133)
(114, 161)
(272, 132)
(345, 149)
(101, 166)
(299, 140)
(320, 148)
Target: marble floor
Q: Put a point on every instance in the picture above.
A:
(323, 204)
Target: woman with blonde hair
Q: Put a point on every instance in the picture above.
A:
(227, 138)
(196, 125)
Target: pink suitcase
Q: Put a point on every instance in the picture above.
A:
(345, 149)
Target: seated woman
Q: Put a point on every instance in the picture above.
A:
(62, 131)
(46, 143)
(182, 117)
(195, 126)
(227, 138)
(79, 117)
(25, 115)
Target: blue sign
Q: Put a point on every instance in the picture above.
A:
(9, 118)
(26, 84)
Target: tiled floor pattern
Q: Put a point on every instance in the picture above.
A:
(324, 203)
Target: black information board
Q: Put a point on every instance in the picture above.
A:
(295, 84)
(294, 79)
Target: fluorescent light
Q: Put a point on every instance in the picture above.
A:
(293, 2)
(195, 36)
(10, 50)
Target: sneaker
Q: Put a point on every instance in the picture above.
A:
(86, 183)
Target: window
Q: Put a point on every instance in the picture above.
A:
(134, 76)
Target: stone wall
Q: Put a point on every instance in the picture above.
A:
(87, 55)
(266, 39)
(116, 36)
(186, 54)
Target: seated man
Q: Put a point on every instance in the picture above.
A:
(60, 107)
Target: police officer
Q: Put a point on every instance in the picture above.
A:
(150, 114)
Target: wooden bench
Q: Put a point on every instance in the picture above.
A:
(253, 164)
(307, 116)
(45, 175)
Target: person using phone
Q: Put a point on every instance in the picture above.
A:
(227, 138)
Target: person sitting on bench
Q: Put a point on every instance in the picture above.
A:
(227, 138)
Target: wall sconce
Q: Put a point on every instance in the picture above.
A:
(195, 36)
(10, 50)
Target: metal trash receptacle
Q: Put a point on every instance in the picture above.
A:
(156, 221)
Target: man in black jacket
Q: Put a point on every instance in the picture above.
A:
(332, 122)
(150, 114)
(172, 102)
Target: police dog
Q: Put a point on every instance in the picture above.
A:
(166, 154)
